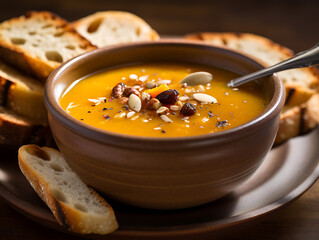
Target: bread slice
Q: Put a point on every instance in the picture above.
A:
(16, 130)
(22, 94)
(114, 27)
(300, 84)
(38, 42)
(301, 111)
(75, 206)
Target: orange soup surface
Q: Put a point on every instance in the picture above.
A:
(161, 105)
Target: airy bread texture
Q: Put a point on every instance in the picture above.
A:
(22, 94)
(114, 27)
(16, 130)
(301, 111)
(39, 42)
(76, 207)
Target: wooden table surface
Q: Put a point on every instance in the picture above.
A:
(291, 23)
(297, 221)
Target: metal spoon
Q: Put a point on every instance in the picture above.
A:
(300, 60)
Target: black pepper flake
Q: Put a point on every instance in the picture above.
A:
(107, 117)
(210, 114)
(163, 131)
(104, 100)
(221, 123)
(119, 111)
(104, 109)
(144, 112)
(89, 111)
(173, 113)
(126, 107)
(82, 119)
(92, 105)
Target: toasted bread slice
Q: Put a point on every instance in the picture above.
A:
(114, 27)
(75, 206)
(301, 111)
(300, 84)
(38, 42)
(16, 130)
(22, 94)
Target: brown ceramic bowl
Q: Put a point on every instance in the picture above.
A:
(162, 173)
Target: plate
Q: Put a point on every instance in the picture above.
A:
(286, 173)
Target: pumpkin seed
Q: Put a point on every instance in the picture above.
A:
(134, 102)
(166, 119)
(204, 98)
(197, 78)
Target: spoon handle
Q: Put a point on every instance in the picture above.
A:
(303, 59)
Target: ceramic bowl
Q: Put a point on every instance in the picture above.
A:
(162, 173)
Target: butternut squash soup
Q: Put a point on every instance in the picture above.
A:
(163, 100)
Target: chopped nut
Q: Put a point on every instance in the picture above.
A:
(117, 91)
(146, 96)
(120, 115)
(179, 103)
(201, 89)
(183, 98)
(175, 107)
(168, 97)
(134, 117)
(188, 109)
(123, 100)
(160, 82)
(190, 90)
(130, 90)
(166, 119)
(130, 114)
(133, 76)
(135, 103)
(150, 85)
(95, 101)
(143, 78)
(162, 110)
(153, 104)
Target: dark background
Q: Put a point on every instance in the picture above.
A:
(291, 23)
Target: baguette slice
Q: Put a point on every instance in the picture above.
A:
(301, 110)
(114, 27)
(22, 94)
(300, 84)
(75, 206)
(16, 130)
(38, 42)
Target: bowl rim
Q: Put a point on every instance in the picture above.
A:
(53, 107)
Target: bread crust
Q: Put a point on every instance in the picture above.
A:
(67, 216)
(301, 111)
(22, 95)
(16, 131)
